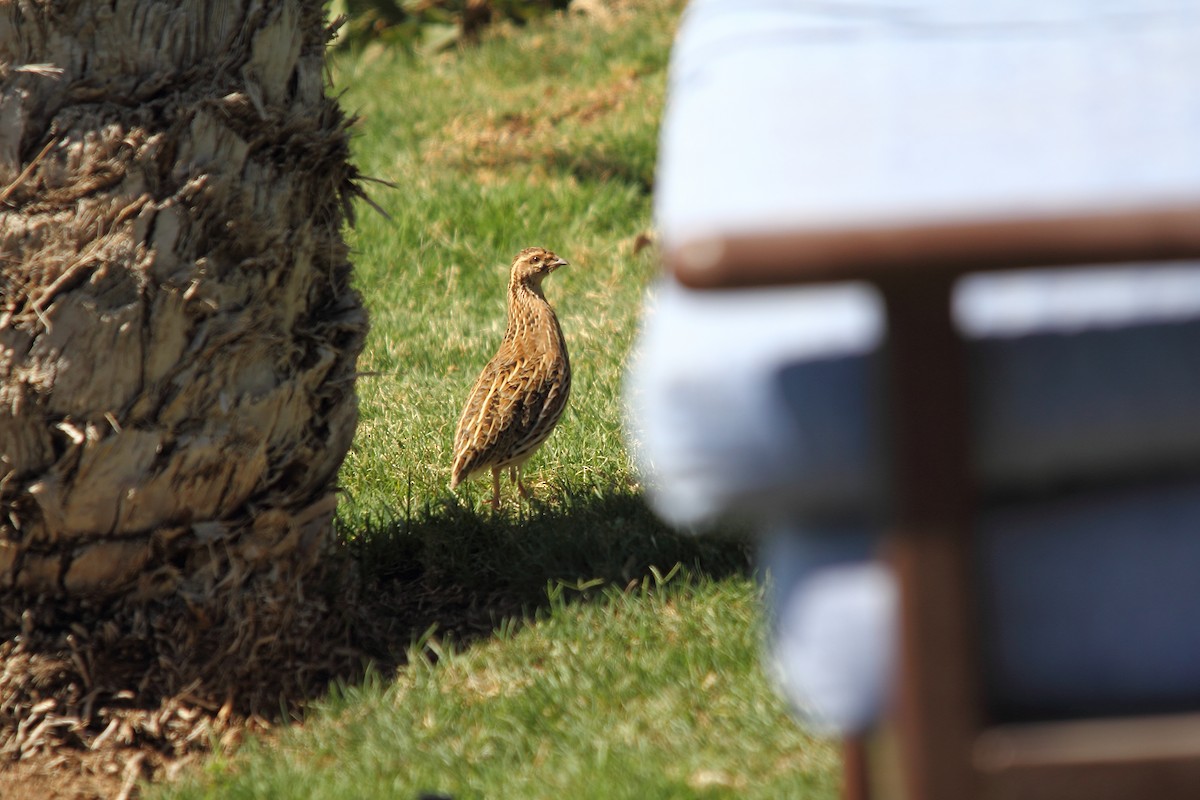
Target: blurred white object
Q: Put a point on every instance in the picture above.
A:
(833, 624)
(760, 404)
(800, 115)
(713, 430)
(794, 116)
(761, 400)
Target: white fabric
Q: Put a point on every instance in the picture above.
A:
(832, 627)
(788, 115)
(1008, 304)
(1090, 600)
(707, 424)
(1088, 605)
(834, 645)
(762, 400)
(798, 114)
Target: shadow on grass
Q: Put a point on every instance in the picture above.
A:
(598, 164)
(464, 573)
(601, 162)
(444, 571)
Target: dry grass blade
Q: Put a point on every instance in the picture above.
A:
(25, 173)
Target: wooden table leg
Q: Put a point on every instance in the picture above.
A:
(937, 706)
(855, 773)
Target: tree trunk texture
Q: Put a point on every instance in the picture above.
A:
(178, 338)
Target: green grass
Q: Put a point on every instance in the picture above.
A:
(650, 693)
(543, 137)
(568, 647)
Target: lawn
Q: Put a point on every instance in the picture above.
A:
(570, 646)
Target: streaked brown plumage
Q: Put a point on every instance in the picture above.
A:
(521, 393)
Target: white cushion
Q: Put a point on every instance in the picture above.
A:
(769, 400)
(793, 116)
(1088, 608)
(796, 115)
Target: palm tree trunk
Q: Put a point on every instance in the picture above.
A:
(178, 338)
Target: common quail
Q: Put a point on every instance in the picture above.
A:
(521, 393)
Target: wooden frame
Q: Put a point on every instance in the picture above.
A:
(948, 750)
(872, 252)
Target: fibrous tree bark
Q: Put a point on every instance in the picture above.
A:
(178, 337)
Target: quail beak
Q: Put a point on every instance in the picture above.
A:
(561, 262)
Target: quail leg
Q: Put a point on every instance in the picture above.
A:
(515, 475)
